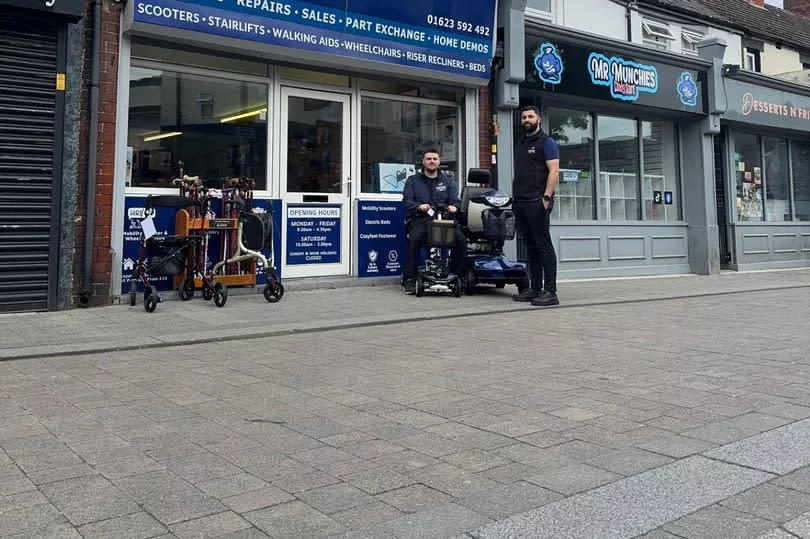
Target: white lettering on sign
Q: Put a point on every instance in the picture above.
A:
(297, 212)
(50, 3)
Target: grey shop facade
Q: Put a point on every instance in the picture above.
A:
(626, 119)
(762, 173)
(327, 105)
(40, 62)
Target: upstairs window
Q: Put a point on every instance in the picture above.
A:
(656, 34)
(539, 8)
(753, 60)
(689, 41)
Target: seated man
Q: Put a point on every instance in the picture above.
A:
(423, 190)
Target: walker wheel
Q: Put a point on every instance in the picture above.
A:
(186, 290)
(150, 299)
(220, 294)
(207, 291)
(419, 286)
(133, 292)
(273, 291)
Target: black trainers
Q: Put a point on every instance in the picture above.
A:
(526, 295)
(409, 286)
(546, 299)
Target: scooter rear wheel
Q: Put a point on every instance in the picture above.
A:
(457, 286)
(419, 286)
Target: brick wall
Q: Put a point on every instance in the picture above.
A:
(108, 78)
(484, 128)
(802, 7)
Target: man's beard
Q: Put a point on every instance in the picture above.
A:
(530, 128)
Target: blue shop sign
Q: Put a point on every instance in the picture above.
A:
(573, 70)
(313, 234)
(439, 35)
(381, 238)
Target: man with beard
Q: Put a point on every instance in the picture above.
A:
(423, 190)
(537, 168)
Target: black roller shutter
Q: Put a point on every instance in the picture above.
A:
(28, 66)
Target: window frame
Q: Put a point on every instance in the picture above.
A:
(216, 74)
(689, 41)
(533, 12)
(656, 34)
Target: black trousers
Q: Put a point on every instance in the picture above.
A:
(417, 238)
(533, 221)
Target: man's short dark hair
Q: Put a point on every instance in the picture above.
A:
(432, 150)
(532, 108)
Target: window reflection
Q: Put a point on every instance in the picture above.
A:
(747, 161)
(200, 126)
(573, 131)
(777, 179)
(618, 168)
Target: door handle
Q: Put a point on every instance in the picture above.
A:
(349, 186)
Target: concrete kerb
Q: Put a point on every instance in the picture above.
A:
(46, 351)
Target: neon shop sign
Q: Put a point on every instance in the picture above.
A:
(625, 79)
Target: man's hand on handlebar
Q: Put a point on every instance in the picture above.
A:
(424, 208)
(452, 209)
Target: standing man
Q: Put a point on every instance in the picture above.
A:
(537, 168)
(423, 190)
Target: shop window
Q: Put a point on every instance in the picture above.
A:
(573, 131)
(427, 91)
(314, 146)
(395, 134)
(800, 152)
(161, 52)
(661, 186)
(618, 168)
(777, 179)
(748, 171)
(656, 34)
(196, 125)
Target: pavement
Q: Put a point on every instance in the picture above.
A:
(660, 408)
(122, 327)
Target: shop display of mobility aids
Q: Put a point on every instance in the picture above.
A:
(488, 222)
(240, 235)
(434, 275)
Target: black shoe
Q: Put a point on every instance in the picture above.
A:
(546, 299)
(410, 286)
(527, 295)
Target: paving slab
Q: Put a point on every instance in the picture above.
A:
(634, 505)
(781, 450)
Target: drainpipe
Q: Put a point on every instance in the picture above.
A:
(92, 160)
(633, 4)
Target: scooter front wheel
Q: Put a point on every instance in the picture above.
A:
(469, 283)
(419, 286)
(457, 287)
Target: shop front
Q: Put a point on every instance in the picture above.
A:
(764, 152)
(33, 81)
(621, 116)
(328, 109)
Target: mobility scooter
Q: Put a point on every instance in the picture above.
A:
(434, 275)
(488, 222)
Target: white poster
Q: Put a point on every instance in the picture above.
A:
(392, 176)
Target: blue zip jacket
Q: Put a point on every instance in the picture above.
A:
(419, 189)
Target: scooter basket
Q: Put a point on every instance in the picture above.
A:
(498, 226)
(167, 255)
(442, 233)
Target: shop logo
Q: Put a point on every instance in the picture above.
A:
(549, 64)
(50, 3)
(687, 90)
(372, 257)
(625, 79)
(748, 104)
(393, 256)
